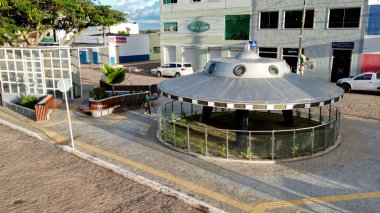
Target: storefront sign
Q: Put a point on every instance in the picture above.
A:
(118, 40)
(48, 39)
(199, 26)
(343, 45)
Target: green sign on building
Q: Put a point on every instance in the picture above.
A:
(48, 39)
(199, 26)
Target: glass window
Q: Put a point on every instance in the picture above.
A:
(171, 26)
(179, 65)
(344, 18)
(269, 20)
(364, 77)
(6, 88)
(268, 52)
(187, 65)
(293, 19)
(290, 55)
(172, 65)
(237, 27)
(378, 75)
(196, 0)
(156, 50)
(169, 1)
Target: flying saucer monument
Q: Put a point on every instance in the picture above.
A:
(248, 108)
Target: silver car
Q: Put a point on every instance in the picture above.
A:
(173, 69)
(368, 81)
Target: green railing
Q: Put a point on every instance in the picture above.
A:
(256, 145)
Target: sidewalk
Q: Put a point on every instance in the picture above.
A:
(127, 139)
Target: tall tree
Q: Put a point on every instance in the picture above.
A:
(32, 20)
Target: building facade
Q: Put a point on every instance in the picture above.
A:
(36, 71)
(198, 30)
(371, 50)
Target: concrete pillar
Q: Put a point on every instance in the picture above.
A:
(206, 112)
(242, 124)
(288, 117)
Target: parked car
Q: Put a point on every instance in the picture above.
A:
(173, 69)
(368, 81)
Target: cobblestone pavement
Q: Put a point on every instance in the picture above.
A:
(37, 177)
(344, 180)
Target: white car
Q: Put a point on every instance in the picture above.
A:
(173, 69)
(368, 81)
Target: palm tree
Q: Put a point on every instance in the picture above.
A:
(114, 75)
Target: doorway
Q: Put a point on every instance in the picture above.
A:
(341, 64)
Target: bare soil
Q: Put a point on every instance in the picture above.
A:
(37, 177)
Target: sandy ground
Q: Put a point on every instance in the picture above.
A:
(37, 177)
(360, 106)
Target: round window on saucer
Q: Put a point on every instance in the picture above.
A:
(273, 70)
(239, 70)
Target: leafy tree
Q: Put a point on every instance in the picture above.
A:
(32, 20)
(114, 75)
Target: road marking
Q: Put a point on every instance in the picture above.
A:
(262, 207)
(169, 177)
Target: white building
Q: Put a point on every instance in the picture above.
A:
(128, 28)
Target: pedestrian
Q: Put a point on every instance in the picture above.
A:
(147, 104)
(303, 60)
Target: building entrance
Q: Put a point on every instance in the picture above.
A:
(341, 64)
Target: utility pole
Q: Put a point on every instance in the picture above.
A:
(301, 32)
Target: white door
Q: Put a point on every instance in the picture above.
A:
(189, 55)
(169, 54)
(232, 52)
(214, 53)
(363, 82)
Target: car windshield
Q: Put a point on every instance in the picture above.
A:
(187, 65)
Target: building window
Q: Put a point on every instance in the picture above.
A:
(293, 19)
(344, 18)
(269, 20)
(170, 26)
(156, 50)
(268, 52)
(237, 27)
(170, 1)
(290, 55)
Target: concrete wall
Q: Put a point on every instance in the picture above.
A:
(154, 42)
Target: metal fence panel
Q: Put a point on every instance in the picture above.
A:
(216, 143)
(238, 145)
(197, 140)
(284, 147)
(303, 142)
(261, 145)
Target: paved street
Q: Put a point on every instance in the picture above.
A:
(37, 177)
(235, 187)
(344, 180)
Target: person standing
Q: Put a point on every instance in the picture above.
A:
(147, 104)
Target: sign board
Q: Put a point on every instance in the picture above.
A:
(343, 45)
(118, 40)
(252, 43)
(199, 26)
(89, 40)
(64, 85)
(48, 39)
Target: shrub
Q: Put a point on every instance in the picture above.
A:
(98, 93)
(28, 101)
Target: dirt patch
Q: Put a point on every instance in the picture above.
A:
(37, 177)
